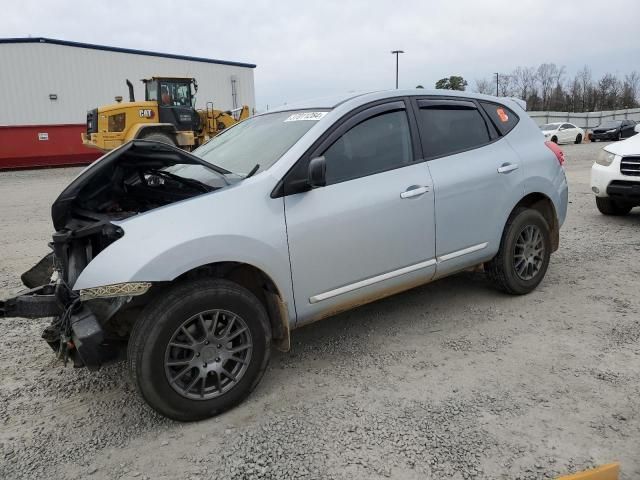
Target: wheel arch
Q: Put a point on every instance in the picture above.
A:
(257, 282)
(542, 203)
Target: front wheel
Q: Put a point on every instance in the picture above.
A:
(525, 251)
(579, 138)
(554, 139)
(619, 136)
(200, 349)
(608, 206)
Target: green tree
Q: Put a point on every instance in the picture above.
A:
(454, 82)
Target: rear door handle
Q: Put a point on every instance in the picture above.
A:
(414, 191)
(507, 167)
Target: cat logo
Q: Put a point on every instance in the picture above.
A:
(146, 113)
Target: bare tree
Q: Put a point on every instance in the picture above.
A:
(630, 90)
(545, 88)
(484, 86)
(558, 100)
(524, 82)
(547, 75)
(608, 91)
(575, 94)
(505, 85)
(584, 77)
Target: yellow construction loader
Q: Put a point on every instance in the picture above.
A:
(166, 115)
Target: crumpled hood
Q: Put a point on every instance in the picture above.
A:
(102, 172)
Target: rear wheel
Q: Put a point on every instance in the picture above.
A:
(609, 206)
(159, 137)
(200, 349)
(525, 250)
(579, 138)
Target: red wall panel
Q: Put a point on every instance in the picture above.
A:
(20, 146)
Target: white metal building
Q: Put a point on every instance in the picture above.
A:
(48, 86)
(47, 81)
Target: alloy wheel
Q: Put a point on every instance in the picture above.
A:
(208, 354)
(529, 250)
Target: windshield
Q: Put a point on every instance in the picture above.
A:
(259, 140)
(549, 126)
(610, 124)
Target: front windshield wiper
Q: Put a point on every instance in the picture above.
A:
(253, 170)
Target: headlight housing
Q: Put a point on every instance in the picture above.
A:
(130, 289)
(613, 130)
(605, 158)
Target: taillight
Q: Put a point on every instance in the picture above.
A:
(557, 150)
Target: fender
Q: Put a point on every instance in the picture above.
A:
(162, 244)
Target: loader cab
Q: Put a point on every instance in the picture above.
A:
(176, 101)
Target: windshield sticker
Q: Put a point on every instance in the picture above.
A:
(296, 117)
(502, 115)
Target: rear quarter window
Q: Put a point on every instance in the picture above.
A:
(502, 117)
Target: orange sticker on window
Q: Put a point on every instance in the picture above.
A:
(502, 115)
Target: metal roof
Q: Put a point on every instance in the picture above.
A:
(91, 46)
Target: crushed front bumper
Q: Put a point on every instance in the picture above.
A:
(43, 301)
(75, 331)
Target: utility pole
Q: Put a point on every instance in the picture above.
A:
(497, 77)
(397, 54)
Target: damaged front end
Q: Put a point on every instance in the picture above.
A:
(91, 326)
(80, 330)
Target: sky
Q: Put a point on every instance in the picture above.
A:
(308, 49)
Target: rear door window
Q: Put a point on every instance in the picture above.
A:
(449, 128)
(502, 117)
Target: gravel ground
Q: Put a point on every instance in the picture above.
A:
(449, 380)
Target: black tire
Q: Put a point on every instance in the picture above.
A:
(579, 138)
(619, 136)
(502, 269)
(608, 206)
(554, 139)
(160, 137)
(159, 323)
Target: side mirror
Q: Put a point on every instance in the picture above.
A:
(317, 173)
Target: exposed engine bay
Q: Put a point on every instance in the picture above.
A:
(135, 178)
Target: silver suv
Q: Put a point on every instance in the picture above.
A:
(191, 265)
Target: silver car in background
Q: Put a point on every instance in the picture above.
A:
(192, 265)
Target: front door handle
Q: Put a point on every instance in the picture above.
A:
(414, 191)
(507, 167)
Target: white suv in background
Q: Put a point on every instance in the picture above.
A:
(615, 177)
